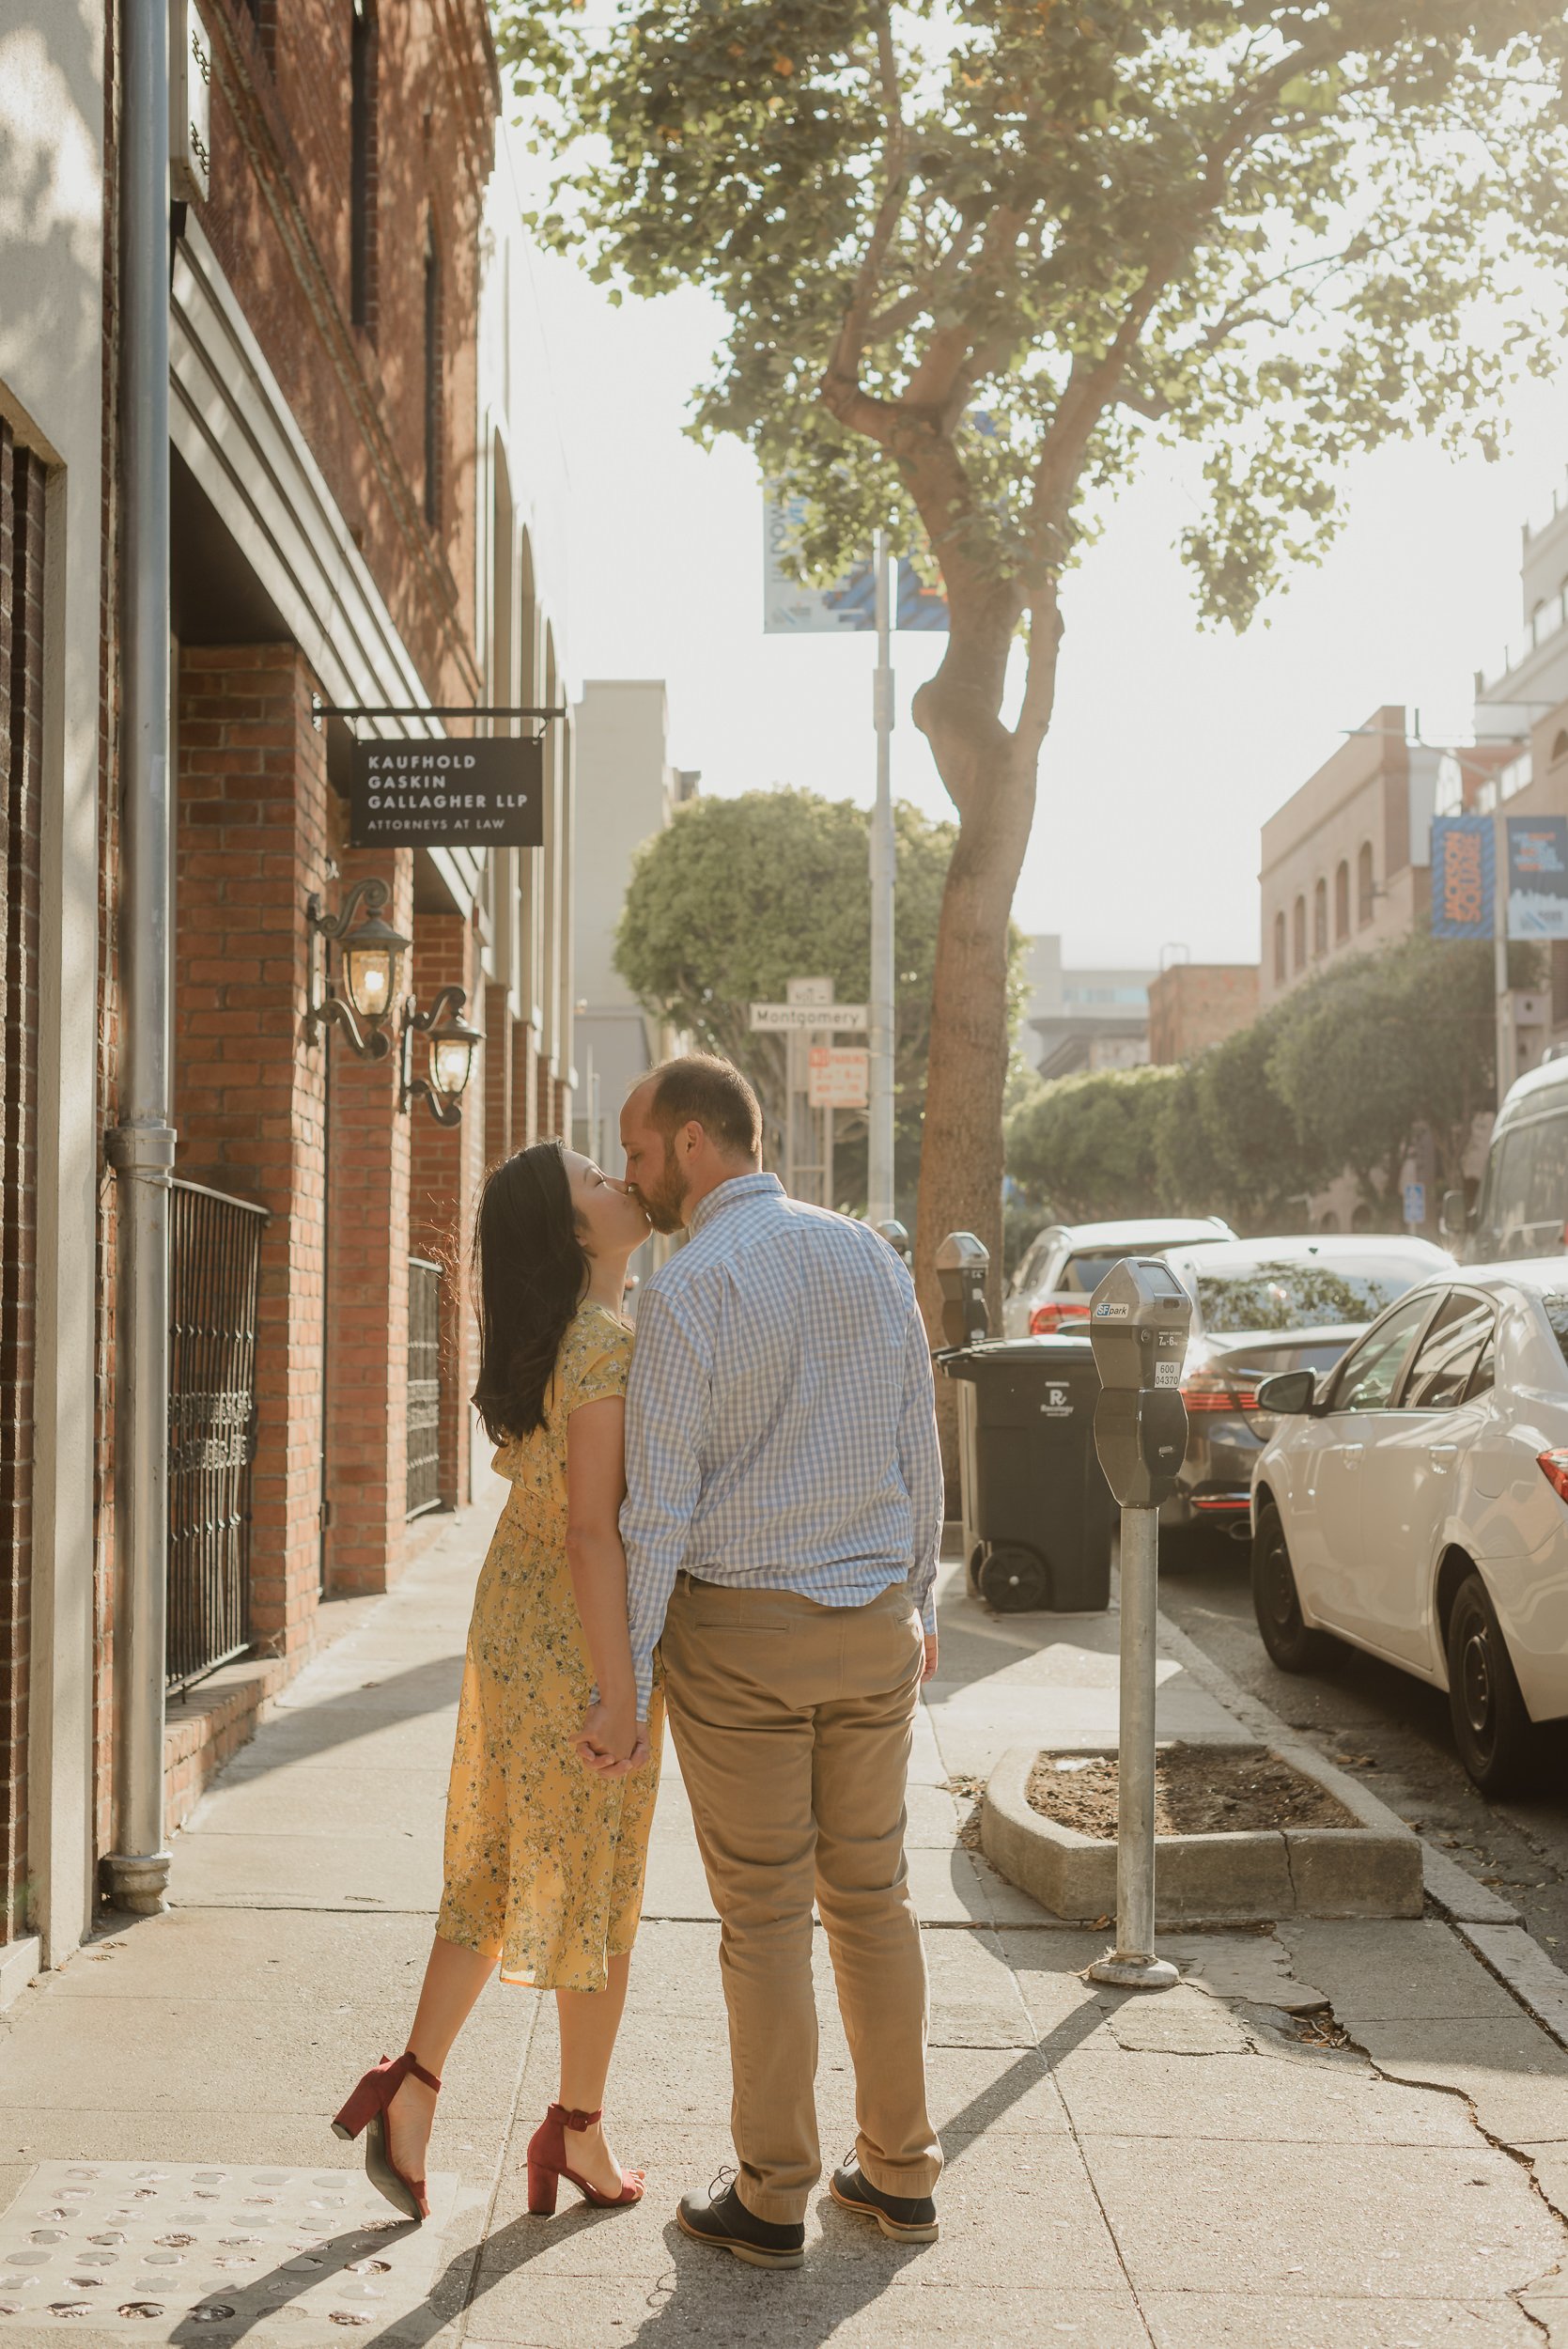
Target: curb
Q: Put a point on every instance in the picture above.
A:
(1229, 1877)
(1449, 1887)
(1488, 1926)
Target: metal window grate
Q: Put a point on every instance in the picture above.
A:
(214, 1264)
(423, 1399)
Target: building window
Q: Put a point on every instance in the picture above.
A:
(1365, 888)
(432, 379)
(362, 167)
(1320, 918)
(1279, 949)
(1341, 901)
(1560, 744)
(1298, 927)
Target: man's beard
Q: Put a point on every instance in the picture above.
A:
(664, 1200)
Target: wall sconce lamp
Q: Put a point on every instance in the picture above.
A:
(452, 1046)
(372, 954)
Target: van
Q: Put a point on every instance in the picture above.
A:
(1522, 1208)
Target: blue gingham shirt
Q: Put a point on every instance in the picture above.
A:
(781, 1429)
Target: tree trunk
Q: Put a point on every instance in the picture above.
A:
(961, 1153)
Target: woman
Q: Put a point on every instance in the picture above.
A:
(545, 1855)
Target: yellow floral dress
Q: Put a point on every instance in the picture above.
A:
(544, 1861)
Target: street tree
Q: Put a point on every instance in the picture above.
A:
(1383, 1048)
(1087, 1147)
(1230, 1144)
(739, 896)
(975, 255)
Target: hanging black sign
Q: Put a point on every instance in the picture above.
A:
(447, 794)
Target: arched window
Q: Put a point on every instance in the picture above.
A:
(433, 401)
(1320, 917)
(362, 165)
(1365, 888)
(1341, 901)
(1279, 949)
(1299, 937)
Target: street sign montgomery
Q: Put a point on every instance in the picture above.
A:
(839, 1079)
(811, 1018)
(441, 793)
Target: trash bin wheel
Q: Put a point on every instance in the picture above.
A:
(1013, 1579)
(973, 1565)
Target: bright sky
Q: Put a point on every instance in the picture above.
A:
(1170, 746)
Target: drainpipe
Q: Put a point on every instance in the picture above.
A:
(141, 1147)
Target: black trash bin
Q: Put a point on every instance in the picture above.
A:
(1037, 1511)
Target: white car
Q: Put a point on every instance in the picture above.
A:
(1064, 1264)
(1414, 1500)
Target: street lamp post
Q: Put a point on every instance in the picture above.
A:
(879, 1177)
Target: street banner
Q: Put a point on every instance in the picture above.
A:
(839, 1078)
(1537, 876)
(1464, 876)
(446, 794)
(846, 608)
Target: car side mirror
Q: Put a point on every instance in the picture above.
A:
(1289, 1393)
(1453, 1220)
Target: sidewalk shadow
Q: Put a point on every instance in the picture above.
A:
(297, 1733)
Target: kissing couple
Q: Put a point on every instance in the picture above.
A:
(734, 1519)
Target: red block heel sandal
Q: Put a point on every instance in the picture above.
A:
(367, 2110)
(547, 2166)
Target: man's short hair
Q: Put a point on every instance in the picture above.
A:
(699, 1088)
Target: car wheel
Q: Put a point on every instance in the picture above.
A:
(1013, 1579)
(1491, 1727)
(1276, 1602)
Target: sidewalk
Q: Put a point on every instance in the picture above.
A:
(1341, 2136)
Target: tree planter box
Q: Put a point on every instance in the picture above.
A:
(1373, 1869)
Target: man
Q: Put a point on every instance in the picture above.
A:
(781, 1531)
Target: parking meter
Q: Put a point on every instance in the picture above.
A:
(962, 1264)
(1139, 1321)
(897, 1239)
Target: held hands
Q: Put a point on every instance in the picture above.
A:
(612, 1740)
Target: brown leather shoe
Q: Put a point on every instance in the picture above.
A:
(905, 2218)
(722, 2220)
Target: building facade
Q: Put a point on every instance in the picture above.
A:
(1346, 861)
(365, 512)
(55, 169)
(622, 728)
(1082, 1020)
(1194, 1005)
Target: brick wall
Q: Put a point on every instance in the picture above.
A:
(1195, 1005)
(21, 555)
(525, 1086)
(499, 1072)
(447, 1168)
(279, 217)
(253, 841)
(368, 1288)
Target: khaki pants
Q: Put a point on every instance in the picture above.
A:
(793, 1725)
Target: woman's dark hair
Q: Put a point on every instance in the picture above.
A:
(530, 1270)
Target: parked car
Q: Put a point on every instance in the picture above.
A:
(1262, 1306)
(1065, 1263)
(1414, 1501)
